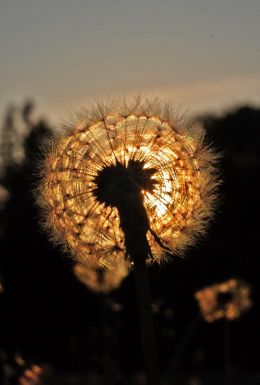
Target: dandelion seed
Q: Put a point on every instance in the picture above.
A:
(227, 300)
(134, 161)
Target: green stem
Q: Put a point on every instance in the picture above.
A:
(146, 321)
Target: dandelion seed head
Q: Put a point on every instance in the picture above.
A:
(102, 280)
(118, 154)
(226, 300)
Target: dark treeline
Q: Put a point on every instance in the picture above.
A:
(48, 316)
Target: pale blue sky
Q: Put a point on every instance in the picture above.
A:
(199, 54)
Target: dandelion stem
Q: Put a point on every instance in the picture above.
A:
(182, 346)
(146, 321)
(227, 358)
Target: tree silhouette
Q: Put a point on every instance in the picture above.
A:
(34, 276)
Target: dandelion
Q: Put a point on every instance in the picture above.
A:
(31, 376)
(4, 196)
(227, 300)
(128, 182)
(122, 166)
(102, 280)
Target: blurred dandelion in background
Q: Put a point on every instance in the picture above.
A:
(31, 376)
(226, 300)
(4, 196)
(127, 160)
(102, 280)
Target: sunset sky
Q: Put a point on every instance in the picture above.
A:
(198, 54)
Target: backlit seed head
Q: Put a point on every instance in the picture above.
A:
(122, 161)
(227, 300)
(102, 280)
